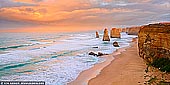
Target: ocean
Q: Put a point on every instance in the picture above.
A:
(56, 58)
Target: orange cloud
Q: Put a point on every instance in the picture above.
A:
(72, 14)
(52, 10)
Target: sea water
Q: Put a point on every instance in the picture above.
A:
(56, 58)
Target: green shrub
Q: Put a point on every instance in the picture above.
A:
(162, 63)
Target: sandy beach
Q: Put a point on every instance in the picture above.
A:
(126, 69)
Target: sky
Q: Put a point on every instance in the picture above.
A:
(79, 15)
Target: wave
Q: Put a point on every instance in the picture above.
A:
(13, 66)
(6, 67)
(26, 71)
(22, 64)
(63, 54)
(13, 47)
(33, 40)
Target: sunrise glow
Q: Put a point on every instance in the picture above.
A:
(68, 15)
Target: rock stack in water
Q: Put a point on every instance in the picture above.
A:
(115, 33)
(115, 44)
(97, 34)
(106, 36)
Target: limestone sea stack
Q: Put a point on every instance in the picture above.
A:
(97, 34)
(154, 41)
(115, 33)
(106, 36)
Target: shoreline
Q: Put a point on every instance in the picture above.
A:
(106, 74)
(86, 75)
(127, 69)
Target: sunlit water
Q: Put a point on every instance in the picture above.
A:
(56, 58)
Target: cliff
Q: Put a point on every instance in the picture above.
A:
(154, 41)
(132, 30)
(106, 36)
(115, 33)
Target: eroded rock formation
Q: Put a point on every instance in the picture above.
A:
(115, 44)
(97, 34)
(106, 36)
(92, 53)
(154, 41)
(99, 54)
(132, 30)
(115, 33)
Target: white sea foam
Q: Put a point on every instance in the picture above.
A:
(57, 62)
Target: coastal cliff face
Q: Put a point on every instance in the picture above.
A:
(133, 30)
(154, 41)
(106, 35)
(115, 33)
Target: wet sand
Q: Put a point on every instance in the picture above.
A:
(126, 69)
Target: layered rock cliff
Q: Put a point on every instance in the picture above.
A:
(106, 35)
(154, 41)
(132, 30)
(115, 33)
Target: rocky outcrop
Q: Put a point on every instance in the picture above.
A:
(106, 36)
(92, 53)
(95, 47)
(115, 33)
(97, 34)
(99, 54)
(115, 44)
(154, 41)
(132, 30)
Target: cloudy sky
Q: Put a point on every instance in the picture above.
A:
(71, 15)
